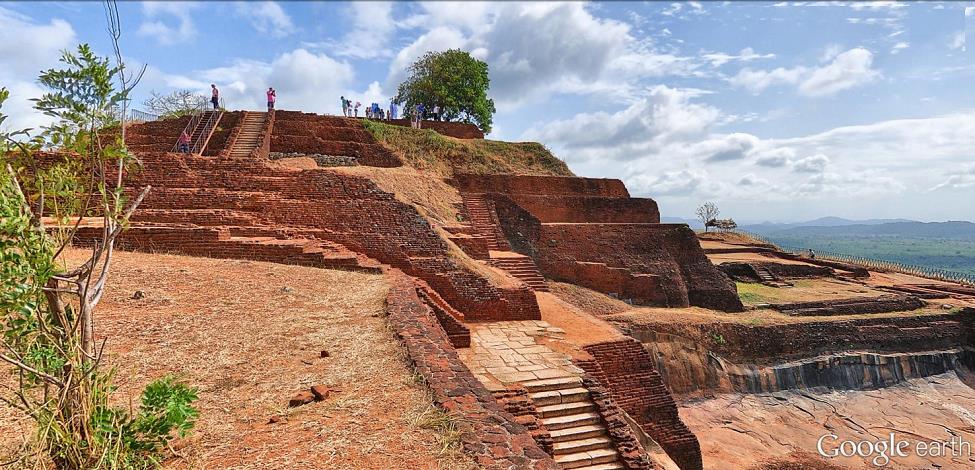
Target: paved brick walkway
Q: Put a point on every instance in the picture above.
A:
(508, 352)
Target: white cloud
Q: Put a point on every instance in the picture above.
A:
(266, 17)
(747, 54)
(814, 164)
(757, 81)
(28, 48)
(845, 70)
(537, 49)
(899, 47)
(164, 31)
(372, 26)
(304, 80)
(957, 41)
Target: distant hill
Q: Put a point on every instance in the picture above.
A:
(767, 227)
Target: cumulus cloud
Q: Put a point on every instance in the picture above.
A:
(168, 22)
(844, 71)
(813, 164)
(372, 27)
(27, 47)
(666, 115)
(266, 17)
(304, 80)
(535, 49)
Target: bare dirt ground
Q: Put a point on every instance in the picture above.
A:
(249, 335)
(741, 430)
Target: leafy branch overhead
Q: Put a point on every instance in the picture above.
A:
(453, 80)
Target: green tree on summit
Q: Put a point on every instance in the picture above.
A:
(453, 80)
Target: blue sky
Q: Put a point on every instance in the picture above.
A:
(776, 111)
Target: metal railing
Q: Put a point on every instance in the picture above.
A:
(137, 115)
(205, 117)
(874, 264)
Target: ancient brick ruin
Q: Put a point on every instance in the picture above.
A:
(471, 299)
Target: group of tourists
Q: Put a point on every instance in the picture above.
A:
(272, 96)
(373, 111)
(417, 114)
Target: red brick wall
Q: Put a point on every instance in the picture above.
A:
(540, 185)
(588, 209)
(460, 130)
(346, 209)
(626, 369)
(489, 434)
(305, 133)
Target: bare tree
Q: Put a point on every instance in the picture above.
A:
(707, 213)
(174, 104)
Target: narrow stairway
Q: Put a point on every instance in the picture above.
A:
(482, 219)
(765, 276)
(523, 268)
(580, 438)
(204, 129)
(250, 134)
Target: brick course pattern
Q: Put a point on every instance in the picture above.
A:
(632, 454)
(492, 436)
(460, 130)
(351, 211)
(589, 232)
(627, 370)
(305, 133)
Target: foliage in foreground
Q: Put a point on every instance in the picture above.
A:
(47, 310)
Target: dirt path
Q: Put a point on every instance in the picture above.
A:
(250, 336)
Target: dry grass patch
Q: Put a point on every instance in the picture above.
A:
(428, 150)
(588, 300)
(249, 335)
(428, 193)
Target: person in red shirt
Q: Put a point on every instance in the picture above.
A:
(271, 98)
(184, 142)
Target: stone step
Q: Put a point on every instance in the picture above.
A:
(581, 445)
(553, 397)
(571, 421)
(603, 466)
(565, 409)
(558, 383)
(587, 458)
(575, 433)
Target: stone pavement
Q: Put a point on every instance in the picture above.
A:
(508, 352)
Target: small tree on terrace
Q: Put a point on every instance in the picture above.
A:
(453, 80)
(174, 104)
(707, 213)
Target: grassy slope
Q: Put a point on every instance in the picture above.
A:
(429, 151)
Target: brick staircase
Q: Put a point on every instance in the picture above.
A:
(249, 137)
(523, 268)
(200, 128)
(579, 435)
(484, 222)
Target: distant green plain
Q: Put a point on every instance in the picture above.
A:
(952, 255)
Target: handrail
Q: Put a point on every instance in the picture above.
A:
(201, 141)
(191, 126)
(882, 265)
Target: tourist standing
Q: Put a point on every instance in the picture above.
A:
(214, 96)
(272, 96)
(356, 109)
(345, 107)
(421, 110)
(436, 112)
(392, 110)
(184, 142)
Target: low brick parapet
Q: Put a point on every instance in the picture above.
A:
(489, 434)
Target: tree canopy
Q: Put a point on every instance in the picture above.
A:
(453, 80)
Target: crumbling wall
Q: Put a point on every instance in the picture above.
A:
(305, 133)
(540, 185)
(492, 436)
(626, 369)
